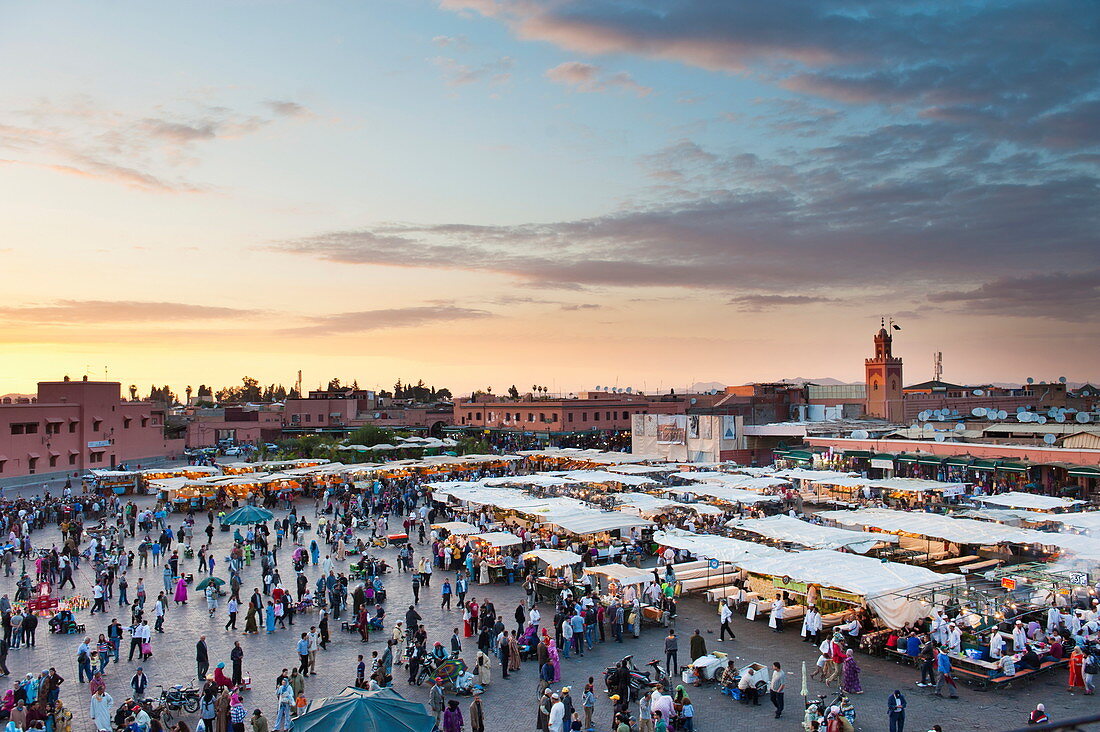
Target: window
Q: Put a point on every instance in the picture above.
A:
(32, 465)
(144, 421)
(477, 416)
(126, 423)
(96, 425)
(309, 417)
(95, 457)
(626, 415)
(584, 416)
(72, 458)
(53, 428)
(2, 465)
(542, 416)
(570, 418)
(72, 427)
(517, 416)
(53, 461)
(608, 416)
(530, 416)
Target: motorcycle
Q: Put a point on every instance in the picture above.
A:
(179, 697)
(658, 675)
(636, 682)
(818, 711)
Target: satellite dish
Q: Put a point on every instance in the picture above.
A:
(926, 426)
(1049, 439)
(1024, 416)
(1002, 414)
(860, 435)
(693, 400)
(1052, 411)
(978, 392)
(1083, 417)
(1020, 409)
(1061, 379)
(940, 437)
(978, 411)
(1059, 418)
(1041, 420)
(1085, 393)
(960, 427)
(1030, 380)
(629, 389)
(923, 416)
(597, 387)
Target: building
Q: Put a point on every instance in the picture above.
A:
(592, 411)
(248, 424)
(884, 379)
(71, 426)
(690, 438)
(342, 411)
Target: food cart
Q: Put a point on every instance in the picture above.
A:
(555, 572)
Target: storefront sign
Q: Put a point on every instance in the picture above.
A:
(955, 490)
(1009, 583)
(1079, 578)
(99, 443)
(785, 583)
(881, 463)
(841, 596)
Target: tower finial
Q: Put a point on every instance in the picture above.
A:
(883, 321)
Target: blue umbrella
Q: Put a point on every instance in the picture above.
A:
(364, 711)
(248, 515)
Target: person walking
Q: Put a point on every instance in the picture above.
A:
(237, 657)
(452, 717)
(445, 595)
(895, 711)
(436, 701)
(477, 714)
(725, 615)
(202, 658)
(697, 646)
(671, 653)
(776, 686)
(946, 681)
(303, 654)
(232, 607)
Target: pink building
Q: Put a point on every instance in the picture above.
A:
(72, 426)
(240, 425)
(597, 411)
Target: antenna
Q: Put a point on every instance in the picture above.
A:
(937, 365)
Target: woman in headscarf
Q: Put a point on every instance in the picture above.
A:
(181, 591)
(483, 575)
(555, 660)
(250, 621)
(483, 668)
(452, 717)
(513, 652)
(269, 617)
(1076, 670)
(467, 628)
(849, 677)
(221, 679)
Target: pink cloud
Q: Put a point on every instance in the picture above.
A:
(584, 77)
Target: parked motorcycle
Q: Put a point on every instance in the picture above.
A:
(179, 697)
(625, 675)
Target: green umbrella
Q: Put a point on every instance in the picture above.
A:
(364, 711)
(216, 581)
(248, 515)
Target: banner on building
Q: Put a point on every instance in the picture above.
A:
(671, 429)
(729, 428)
(693, 427)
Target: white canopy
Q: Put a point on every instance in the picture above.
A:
(731, 480)
(552, 557)
(811, 475)
(710, 546)
(722, 493)
(640, 469)
(498, 538)
(621, 574)
(786, 528)
(1087, 521)
(457, 527)
(604, 476)
(1018, 499)
(870, 578)
(539, 479)
(648, 505)
(593, 521)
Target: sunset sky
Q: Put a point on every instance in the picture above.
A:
(562, 192)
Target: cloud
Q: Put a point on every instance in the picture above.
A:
(287, 108)
(985, 66)
(573, 307)
(1069, 296)
(759, 303)
(495, 72)
(62, 312)
(459, 43)
(371, 320)
(584, 77)
(145, 152)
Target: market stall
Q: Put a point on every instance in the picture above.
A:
(1029, 501)
(555, 571)
(789, 530)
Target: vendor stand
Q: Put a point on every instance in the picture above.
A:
(555, 572)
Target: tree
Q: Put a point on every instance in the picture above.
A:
(398, 390)
(133, 392)
(370, 434)
(513, 391)
(188, 390)
(204, 391)
(443, 394)
(334, 384)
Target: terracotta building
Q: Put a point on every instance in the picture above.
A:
(71, 426)
(884, 380)
(595, 410)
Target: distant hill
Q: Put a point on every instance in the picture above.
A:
(704, 386)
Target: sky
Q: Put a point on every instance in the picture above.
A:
(568, 193)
